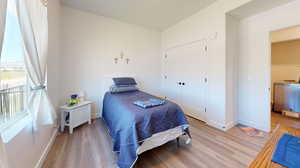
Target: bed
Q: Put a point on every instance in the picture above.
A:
(135, 130)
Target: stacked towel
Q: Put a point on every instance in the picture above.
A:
(149, 103)
(287, 152)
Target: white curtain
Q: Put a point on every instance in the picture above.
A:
(3, 7)
(33, 20)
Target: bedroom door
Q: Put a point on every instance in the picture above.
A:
(185, 78)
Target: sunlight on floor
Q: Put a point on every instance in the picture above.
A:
(277, 118)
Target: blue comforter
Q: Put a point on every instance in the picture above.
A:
(129, 125)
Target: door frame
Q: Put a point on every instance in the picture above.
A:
(270, 68)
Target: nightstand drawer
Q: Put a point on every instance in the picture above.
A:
(75, 115)
(80, 115)
(85, 108)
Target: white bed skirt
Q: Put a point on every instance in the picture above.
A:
(160, 139)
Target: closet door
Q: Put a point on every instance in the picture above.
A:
(171, 76)
(194, 80)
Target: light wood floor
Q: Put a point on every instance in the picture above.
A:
(90, 147)
(264, 158)
(277, 118)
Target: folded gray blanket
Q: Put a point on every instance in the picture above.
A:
(149, 103)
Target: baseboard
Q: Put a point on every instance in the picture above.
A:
(230, 125)
(254, 125)
(223, 127)
(46, 151)
(217, 125)
(98, 115)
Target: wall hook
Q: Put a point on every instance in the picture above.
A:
(116, 60)
(127, 60)
(122, 55)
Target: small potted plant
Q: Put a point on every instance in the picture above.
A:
(74, 100)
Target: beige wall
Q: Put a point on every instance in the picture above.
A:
(285, 61)
(286, 53)
(291, 33)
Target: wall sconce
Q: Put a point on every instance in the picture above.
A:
(44, 2)
(116, 60)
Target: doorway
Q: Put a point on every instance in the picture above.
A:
(285, 77)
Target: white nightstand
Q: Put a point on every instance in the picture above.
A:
(75, 115)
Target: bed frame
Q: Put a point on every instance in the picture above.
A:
(161, 138)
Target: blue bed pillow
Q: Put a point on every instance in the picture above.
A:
(122, 89)
(125, 81)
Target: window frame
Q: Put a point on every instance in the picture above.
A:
(11, 127)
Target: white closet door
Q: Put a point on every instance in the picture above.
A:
(172, 76)
(194, 79)
(185, 75)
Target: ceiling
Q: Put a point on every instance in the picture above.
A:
(158, 14)
(257, 6)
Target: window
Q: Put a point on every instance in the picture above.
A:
(12, 71)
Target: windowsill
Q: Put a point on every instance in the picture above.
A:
(10, 129)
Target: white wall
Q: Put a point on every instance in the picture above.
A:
(255, 62)
(26, 149)
(89, 45)
(232, 51)
(54, 55)
(210, 24)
